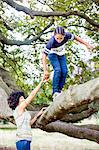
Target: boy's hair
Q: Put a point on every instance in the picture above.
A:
(59, 30)
(13, 99)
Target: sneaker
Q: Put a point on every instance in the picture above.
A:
(56, 94)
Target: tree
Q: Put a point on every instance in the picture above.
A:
(71, 106)
(34, 27)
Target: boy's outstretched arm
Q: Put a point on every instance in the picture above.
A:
(44, 61)
(77, 38)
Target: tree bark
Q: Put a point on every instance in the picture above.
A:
(78, 116)
(69, 100)
(73, 131)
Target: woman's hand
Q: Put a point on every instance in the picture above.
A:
(38, 115)
(44, 79)
(46, 74)
(89, 47)
(41, 111)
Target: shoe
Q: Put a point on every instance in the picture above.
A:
(55, 95)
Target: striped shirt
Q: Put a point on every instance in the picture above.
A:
(58, 48)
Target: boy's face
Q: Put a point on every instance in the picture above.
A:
(59, 37)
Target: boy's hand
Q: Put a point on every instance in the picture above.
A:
(44, 79)
(46, 74)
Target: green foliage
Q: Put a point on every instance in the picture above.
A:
(25, 62)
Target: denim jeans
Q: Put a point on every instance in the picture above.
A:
(60, 71)
(23, 145)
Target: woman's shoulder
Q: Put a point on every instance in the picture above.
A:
(16, 112)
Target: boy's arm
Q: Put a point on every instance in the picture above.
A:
(77, 38)
(44, 61)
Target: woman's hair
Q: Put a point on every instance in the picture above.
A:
(13, 99)
(59, 30)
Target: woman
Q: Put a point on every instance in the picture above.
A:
(18, 104)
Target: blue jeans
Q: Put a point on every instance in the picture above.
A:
(60, 71)
(23, 145)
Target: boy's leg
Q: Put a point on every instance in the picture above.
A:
(64, 71)
(23, 145)
(53, 58)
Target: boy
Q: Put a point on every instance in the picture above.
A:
(56, 53)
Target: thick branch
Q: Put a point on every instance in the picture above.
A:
(72, 130)
(6, 41)
(79, 116)
(91, 126)
(70, 100)
(48, 14)
(72, 118)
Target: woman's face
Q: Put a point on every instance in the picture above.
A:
(59, 37)
(21, 99)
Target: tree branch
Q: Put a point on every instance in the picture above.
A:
(73, 130)
(49, 14)
(69, 100)
(78, 116)
(6, 41)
